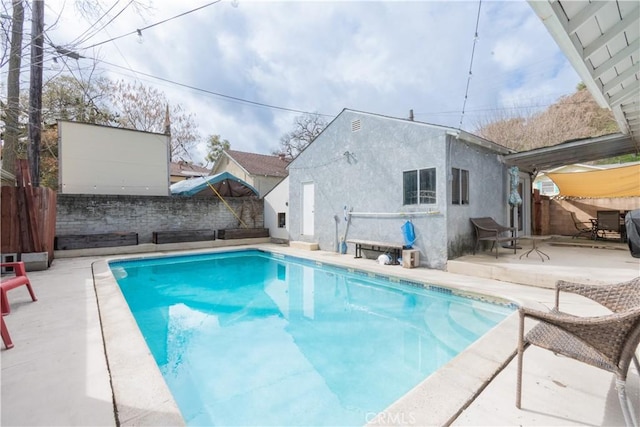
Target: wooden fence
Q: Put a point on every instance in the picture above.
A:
(28, 217)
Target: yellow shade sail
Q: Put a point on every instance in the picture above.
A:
(614, 182)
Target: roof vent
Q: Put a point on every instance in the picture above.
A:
(356, 125)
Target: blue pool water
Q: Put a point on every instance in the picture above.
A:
(249, 338)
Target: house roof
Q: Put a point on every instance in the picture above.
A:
(259, 164)
(225, 184)
(187, 169)
(457, 133)
(601, 40)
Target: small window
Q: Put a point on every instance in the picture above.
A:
(419, 186)
(459, 186)
(282, 220)
(547, 187)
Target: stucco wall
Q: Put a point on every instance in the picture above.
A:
(369, 180)
(86, 214)
(487, 193)
(277, 201)
(363, 170)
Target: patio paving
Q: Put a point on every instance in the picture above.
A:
(57, 373)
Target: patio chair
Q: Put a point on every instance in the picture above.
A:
(584, 228)
(20, 279)
(607, 222)
(6, 338)
(607, 342)
(487, 229)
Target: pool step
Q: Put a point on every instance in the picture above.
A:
(309, 246)
(473, 320)
(440, 324)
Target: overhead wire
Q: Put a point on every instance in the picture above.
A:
(473, 50)
(81, 38)
(260, 104)
(139, 30)
(210, 92)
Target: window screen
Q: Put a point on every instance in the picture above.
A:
(419, 186)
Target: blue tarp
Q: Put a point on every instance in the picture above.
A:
(409, 234)
(225, 183)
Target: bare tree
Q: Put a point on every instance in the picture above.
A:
(306, 128)
(67, 98)
(144, 108)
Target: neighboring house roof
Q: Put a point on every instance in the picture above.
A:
(226, 184)
(259, 164)
(187, 170)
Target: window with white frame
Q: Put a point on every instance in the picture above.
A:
(459, 186)
(419, 186)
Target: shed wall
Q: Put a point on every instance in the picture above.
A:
(104, 160)
(358, 162)
(363, 170)
(277, 201)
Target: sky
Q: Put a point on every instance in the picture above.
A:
(247, 69)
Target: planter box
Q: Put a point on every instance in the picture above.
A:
(179, 236)
(242, 233)
(101, 240)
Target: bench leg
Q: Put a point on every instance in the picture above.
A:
(358, 251)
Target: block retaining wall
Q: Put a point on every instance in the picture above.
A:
(91, 213)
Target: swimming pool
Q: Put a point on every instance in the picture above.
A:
(261, 339)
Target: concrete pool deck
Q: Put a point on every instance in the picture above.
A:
(57, 373)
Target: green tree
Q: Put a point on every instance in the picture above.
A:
(215, 147)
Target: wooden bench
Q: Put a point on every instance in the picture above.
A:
(242, 233)
(97, 240)
(393, 249)
(179, 236)
(488, 229)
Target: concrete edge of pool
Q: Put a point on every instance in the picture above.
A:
(143, 398)
(140, 392)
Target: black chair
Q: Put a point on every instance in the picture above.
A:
(584, 228)
(607, 222)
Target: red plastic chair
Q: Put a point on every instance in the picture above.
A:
(20, 279)
(6, 338)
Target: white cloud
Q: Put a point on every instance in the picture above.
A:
(382, 57)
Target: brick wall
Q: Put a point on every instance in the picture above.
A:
(560, 221)
(90, 213)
